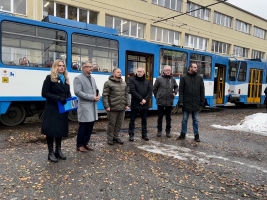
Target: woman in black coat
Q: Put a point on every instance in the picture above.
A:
(55, 89)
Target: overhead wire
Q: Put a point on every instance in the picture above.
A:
(171, 23)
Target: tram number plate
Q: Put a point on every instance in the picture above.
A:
(5, 79)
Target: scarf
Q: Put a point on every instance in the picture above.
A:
(62, 78)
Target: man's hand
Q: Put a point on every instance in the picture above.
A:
(107, 109)
(96, 98)
(127, 108)
(174, 94)
(143, 101)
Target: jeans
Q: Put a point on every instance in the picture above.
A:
(195, 121)
(84, 133)
(143, 121)
(167, 110)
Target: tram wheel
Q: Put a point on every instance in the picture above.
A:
(14, 116)
(73, 115)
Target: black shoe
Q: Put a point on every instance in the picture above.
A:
(145, 138)
(110, 142)
(52, 157)
(131, 138)
(168, 134)
(118, 140)
(197, 138)
(159, 133)
(181, 136)
(60, 155)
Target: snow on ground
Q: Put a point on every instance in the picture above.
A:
(256, 123)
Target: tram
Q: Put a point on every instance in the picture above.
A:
(29, 47)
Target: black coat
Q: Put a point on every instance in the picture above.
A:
(54, 124)
(191, 92)
(163, 90)
(140, 89)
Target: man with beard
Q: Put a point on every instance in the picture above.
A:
(191, 99)
(141, 92)
(165, 89)
(115, 101)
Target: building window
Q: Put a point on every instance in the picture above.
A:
(258, 32)
(257, 54)
(68, 12)
(203, 13)
(196, 42)
(240, 51)
(242, 26)
(125, 27)
(171, 4)
(222, 19)
(13, 6)
(164, 35)
(220, 47)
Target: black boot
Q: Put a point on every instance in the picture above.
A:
(168, 133)
(159, 133)
(181, 136)
(144, 137)
(58, 152)
(51, 155)
(197, 138)
(131, 137)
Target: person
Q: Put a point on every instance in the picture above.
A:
(86, 90)
(55, 89)
(265, 99)
(115, 101)
(191, 99)
(141, 92)
(165, 89)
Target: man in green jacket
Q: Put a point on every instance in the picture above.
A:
(191, 99)
(116, 101)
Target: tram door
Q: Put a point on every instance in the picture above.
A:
(254, 85)
(135, 60)
(219, 84)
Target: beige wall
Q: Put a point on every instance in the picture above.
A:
(147, 13)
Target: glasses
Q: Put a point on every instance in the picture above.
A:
(88, 66)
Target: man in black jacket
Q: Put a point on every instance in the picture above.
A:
(141, 92)
(165, 89)
(191, 99)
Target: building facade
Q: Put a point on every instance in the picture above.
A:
(221, 28)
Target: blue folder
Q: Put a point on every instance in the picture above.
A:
(72, 104)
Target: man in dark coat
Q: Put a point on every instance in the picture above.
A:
(55, 89)
(115, 101)
(165, 89)
(191, 99)
(141, 92)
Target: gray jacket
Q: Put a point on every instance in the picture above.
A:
(163, 88)
(85, 91)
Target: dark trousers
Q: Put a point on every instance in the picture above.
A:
(84, 133)
(50, 140)
(115, 121)
(134, 113)
(167, 110)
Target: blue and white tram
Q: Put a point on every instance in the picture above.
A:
(29, 47)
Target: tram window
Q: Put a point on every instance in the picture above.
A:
(232, 72)
(242, 75)
(103, 53)
(32, 47)
(175, 59)
(204, 64)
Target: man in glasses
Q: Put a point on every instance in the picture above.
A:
(164, 90)
(86, 90)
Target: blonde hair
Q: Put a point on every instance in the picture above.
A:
(54, 73)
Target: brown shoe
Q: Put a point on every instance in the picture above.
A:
(87, 147)
(81, 149)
